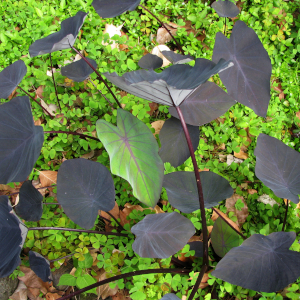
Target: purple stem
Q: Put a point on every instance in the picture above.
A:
(54, 82)
(83, 136)
(286, 211)
(115, 219)
(101, 93)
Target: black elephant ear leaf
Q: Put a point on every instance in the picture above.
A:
(113, 8)
(225, 8)
(197, 246)
(176, 58)
(10, 77)
(223, 237)
(30, 206)
(63, 39)
(182, 190)
(21, 140)
(150, 62)
(79, 70)
(170, 297)
(205, 104)
(277, 166)
(12, 237)
(40, 266)
(84, 187)
(261, 263)
(174, 148)
(161, 235)
(248, 81)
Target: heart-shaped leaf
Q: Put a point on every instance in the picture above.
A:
(63, 39)
(174, 148)
(40, 266)
(225, 8)
(248, 82)
(133, 153)
(150, 62)
(205, 104)
(182, 190)
(176, 58)
(21, 141)
(113, 8)
(161, 235)
(84, 187)
(223, 237)
(30, 206)
(10, 77)
(12, 237)
(197, 246)
(170, 297)
(79, 70)
(277, 166)
(261, 263)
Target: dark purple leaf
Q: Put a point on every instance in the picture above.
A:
(197, 246)
(182, 190)
(205, 104)
(223, 237)
(225, 8)
(170, 297)
(79, 70)
(10, 77)
(21, 141)
(40, 266)
(113, 8)
(30, 206)
(248, 82)
(150, 62)
(12, 237)
(277, 166)
(63, 39)
(174, 148)
(161, 235)
(261, 263)
(176, 58)
(84, 187)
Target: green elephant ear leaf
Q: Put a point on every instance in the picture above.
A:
(133, 153)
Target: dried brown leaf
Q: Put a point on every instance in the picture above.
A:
(104, 290)
(215, 216)
(48, 178)
(241, 214)
(20, 293)
(241, 155)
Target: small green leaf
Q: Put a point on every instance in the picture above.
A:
(67, 279)
(131, 64)
(85, 281)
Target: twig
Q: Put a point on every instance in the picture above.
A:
(286, 212)
(101, 93)
(114, 219)
(84, 136)
(54, 82)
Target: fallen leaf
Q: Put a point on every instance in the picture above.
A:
(20, 293)
(266, 199)
(39, 91)
(153, 107)
(215, 216)
(48, 178)
(252, 191)
(241, 155)
(157, 51)
(52, 296)
(157, 125)
(163, 35)
(13, 94)
(241, 214)
(115, 212)
(104, 290)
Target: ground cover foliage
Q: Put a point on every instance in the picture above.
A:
(99, 144)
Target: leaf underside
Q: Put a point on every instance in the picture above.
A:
(197, 246)
(40, 266)
(150, 62)
(170, 297)
(225, 8)
(176, 58)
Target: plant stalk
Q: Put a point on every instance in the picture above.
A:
(83, 136)
(101, 93)
(54, 82)
(285, 216)
(111, 215)
(199, 279)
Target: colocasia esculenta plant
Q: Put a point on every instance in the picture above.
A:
(261, 263)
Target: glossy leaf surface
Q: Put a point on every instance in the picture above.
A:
(176, 58)
(182, 190)
(261, 263)
(205, 104)
(248, 81)
(10, 77)
(161, 235)
(30, 206)
(170, 297)
(197, 246)
(21, 140)
(225, 8)
(277, 166)
(150, 62)
(40, 266)
(63, 39)
(133, 153)
(84, 187)
(174, 148)
(79, 70)
(223, 237)
(12, 237)
(114, 8)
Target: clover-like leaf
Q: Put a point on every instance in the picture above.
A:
(133, 153)
(161, 235)
(150, 62)
(170, 296)
(63, 39)
(10, 77)
(223, 237)
(277, 166)
(182, 190)
(205, 104)
(79, 70)
(261, 263)
(12, 237)
(40, 266)
(21, 140)
(174, 148)
(84, 187)
(176, 58)
(30, 206)
(225, 8)
(248, 81)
